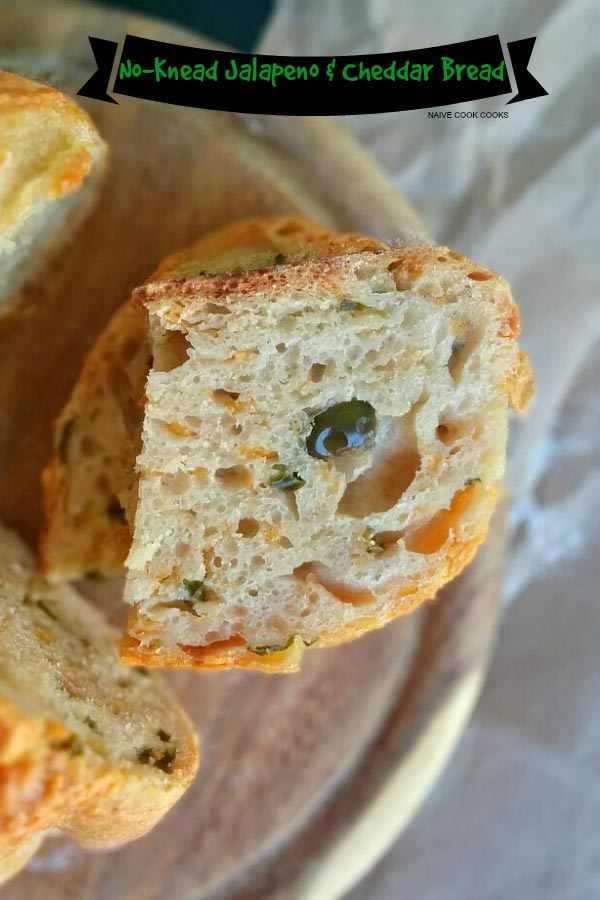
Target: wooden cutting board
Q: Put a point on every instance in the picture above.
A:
(305, 779)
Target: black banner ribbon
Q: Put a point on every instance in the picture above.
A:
(104, 55)
(311, 85)
(528, 87)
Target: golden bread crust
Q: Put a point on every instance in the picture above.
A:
(19, 95)
(234, 653)
(51, 161)
(73, 723)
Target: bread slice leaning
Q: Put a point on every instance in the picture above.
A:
(90, 484)
(87, 745)
(50, 159)
(323, 445)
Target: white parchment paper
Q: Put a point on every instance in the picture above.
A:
(517, 815)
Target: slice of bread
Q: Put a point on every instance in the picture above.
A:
(48, 147)
(87, 745)
(323, 444)
(90, 485)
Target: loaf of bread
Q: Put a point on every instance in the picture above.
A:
(90, 485)
(87, 745)
(323, 444)
(48, 148)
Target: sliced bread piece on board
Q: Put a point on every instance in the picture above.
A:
(87, 745)
(50, 156)
(323, 445)
(90, 485)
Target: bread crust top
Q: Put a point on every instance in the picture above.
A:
(58, 769)
(181, 301)
(20, 95)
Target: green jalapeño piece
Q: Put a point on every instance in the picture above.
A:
(285, 480)
(343, 427)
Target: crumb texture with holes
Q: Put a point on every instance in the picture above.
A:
(90, 484)
(321, 450)
(87, 745)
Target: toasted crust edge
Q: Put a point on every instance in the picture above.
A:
(18, 92)
(171, 299)
(235, 654)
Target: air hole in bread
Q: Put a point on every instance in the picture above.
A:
(381, 487)
(182, 605)
(316, 372)
(463, 347)
(457, 358)
(236, 429)
(445, 433)
(387, 540)
(234, 477)
(395, 462)
(318, 573)
(211, 561)
(209, 596)
(289, 497)
(248, 527)
(170, 351)
(450, 432)
(179, 429)
(219, 309)
(225, 398)
(379, 282)
(431, 537)
(404, 278)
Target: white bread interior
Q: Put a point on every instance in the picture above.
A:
(226, 568)
(90, 484)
